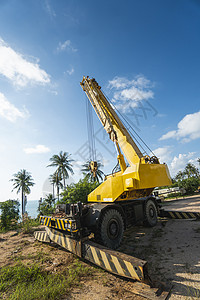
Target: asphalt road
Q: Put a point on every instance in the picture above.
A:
(191, 204)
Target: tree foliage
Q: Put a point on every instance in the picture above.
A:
(9, 214)
(62, 162)
(56, 179)
(22, 181)
(190, 185)
(79, 191)
(188, 179)
(90, 176)
(46, 207)
(189, 171)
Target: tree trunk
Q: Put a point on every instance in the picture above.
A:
(22, 202)
(53, 191)
(64, 181)
(58, 192)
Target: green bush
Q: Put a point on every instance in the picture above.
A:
(189, 184)
(46, 207)
(28, 225)
(9, 214)
(79, 191)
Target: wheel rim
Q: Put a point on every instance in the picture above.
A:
(152, 212)
(113, 229)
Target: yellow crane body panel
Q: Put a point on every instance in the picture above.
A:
(137, 181)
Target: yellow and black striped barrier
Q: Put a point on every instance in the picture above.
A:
(179, 214)
(110, 260)
(116, 262)
(58, 223)
(64, 240)
(42, 236)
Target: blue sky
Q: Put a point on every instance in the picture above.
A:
(144, 54)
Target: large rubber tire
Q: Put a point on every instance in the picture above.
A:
(110, 229)
(150, 213)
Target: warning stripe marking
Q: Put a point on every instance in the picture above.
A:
(62, 224)
(117, 265)
(96, 259)
(192, 215)
(41, 236)
(58, 222)
(178, 215)
(181, 214)
(171, 214)
(106, 262)
(185, 215)
(131, 270)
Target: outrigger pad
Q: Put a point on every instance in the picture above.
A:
(42, 236)
(110, 260)
(115, 262)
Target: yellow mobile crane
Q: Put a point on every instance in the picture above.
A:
(125, 196)
(123, 199)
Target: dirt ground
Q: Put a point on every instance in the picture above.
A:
(23, 247)
(172, 250)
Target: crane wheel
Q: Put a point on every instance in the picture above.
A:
(110, 229)
(150, 213)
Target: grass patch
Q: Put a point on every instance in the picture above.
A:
(21, 282)
(39, 257)
(28, 225)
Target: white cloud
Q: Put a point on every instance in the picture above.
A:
(67, 45)
(71, 71)
(19, 70)
(128, 93)
(179, 162)
(121, 82)
(37, 149)
(188, 129)
(9, 111)
(163, 153)
(49, 9)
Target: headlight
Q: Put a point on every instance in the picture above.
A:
(67, 226)
(73, 226)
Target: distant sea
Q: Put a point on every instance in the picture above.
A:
(31, 208)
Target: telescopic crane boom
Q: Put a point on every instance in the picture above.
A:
(143, 173)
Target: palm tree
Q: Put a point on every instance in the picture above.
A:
(63, 163)
(191, 170)
(180, 175)
(49, 199)
(22, 181)
(57, 180)
(93, 176)
(52, 181)
(198, 160)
